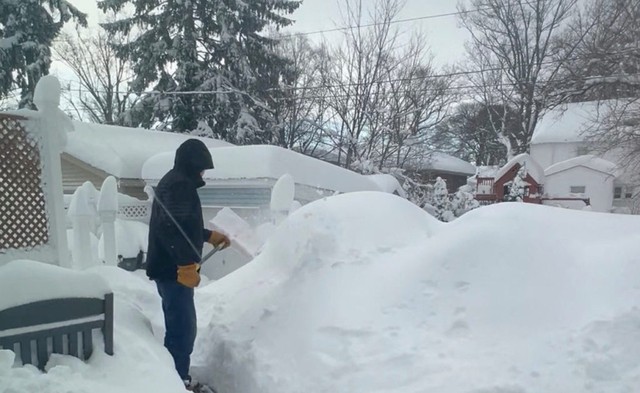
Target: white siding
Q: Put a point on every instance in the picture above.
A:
(547, 154)
(598, 186)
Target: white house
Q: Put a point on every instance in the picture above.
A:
(572, 168)
(585, 175)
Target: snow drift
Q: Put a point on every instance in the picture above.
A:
(365, 292)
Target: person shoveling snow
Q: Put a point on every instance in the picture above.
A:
(176, 237)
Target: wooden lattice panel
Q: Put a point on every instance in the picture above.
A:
(23, 215)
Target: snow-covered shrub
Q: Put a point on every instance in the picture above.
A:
(517, 186)
(442, 201)
(462, 202)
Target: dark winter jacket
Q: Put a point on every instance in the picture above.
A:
(177, 191)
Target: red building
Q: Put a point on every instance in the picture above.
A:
(494, 189)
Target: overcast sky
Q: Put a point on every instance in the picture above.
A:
(444, 37)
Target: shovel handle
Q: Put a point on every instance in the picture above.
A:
(210, 254)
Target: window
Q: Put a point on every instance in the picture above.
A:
(617, 192)
(578, 189)
(628, 194)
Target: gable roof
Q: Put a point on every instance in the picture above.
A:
(439, 161)
(268, 162)
(533, 168)
(122, 151)
(570, 122)
(588, 161)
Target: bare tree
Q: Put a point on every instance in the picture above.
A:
(102, 95)
(515, 42)
(300, 105)
(354, 79)
(607, 69)
(417, 102)
(606, 63)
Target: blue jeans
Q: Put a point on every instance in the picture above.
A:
(180, 323)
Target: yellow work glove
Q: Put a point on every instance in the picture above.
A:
(219, 239)
(189, 275)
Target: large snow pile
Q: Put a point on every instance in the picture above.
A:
(366, 293)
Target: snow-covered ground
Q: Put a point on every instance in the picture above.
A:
(364, 292)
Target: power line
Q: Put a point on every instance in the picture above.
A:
(433, 76)
(434, 89)
(392, 22)
(352, 84)
(82, 89)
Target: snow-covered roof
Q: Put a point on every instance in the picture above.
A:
(268, 162)
(587, 161)
(533, 168)
(121, 151)
(569, 123)
(388, 183)
(439, 161)
(487, 170)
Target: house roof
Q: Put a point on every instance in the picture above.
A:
(588, 161)
(268, 162)
(122, 151)
(570, 122)
(487, 171)
(533, 168)
(439, 161)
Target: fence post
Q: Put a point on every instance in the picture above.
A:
(282, 196)
(107, 209)
(82, 216)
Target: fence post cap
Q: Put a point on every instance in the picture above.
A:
(108, 199)
(47, 93)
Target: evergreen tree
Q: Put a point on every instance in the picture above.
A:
(442, 202)
(203, 45)
(27, 30)
(462, 202)
(518, 185)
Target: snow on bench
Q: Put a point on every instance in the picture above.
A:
(46, 309)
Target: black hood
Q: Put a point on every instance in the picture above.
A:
(193, 157)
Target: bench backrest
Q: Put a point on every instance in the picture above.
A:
(56, 326)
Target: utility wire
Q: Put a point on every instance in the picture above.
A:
(355, 84)
(462, 88)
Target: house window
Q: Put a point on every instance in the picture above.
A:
(578, 189)
(617, 192)
(628, 194)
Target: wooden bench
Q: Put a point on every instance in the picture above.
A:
(61, 326)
